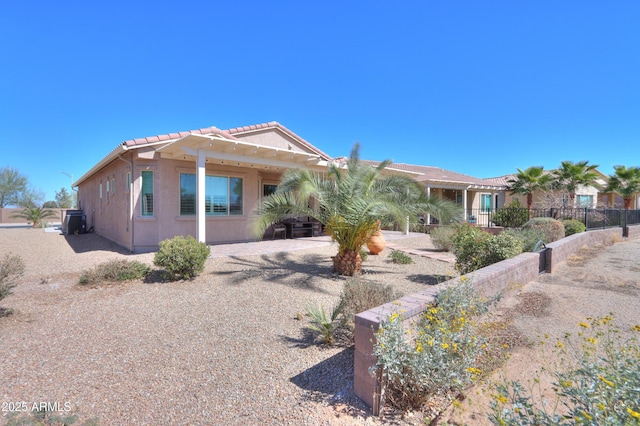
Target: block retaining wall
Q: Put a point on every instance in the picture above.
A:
(489, 281)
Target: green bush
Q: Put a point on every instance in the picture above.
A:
(475, 248)
(528, 237)
(511, 216)
(360, 295)
(182, 258)
(115, 270)
(552, 229)
(442, 237)
(435, 359)
(596, 383)
(400, 258)
(572, 226)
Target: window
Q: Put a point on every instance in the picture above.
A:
(128, 182)
(268, 189)
(485, 203)
(223, 195)
(108, 190)
(147, 193)
(584, 200)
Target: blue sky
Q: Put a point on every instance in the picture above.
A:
(480, 88)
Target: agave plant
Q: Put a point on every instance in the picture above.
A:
(322, 325)
(349, 201)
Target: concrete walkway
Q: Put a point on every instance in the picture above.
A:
(257, 248)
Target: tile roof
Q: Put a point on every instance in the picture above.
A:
(170, 136)
(276, 125)
(431, 173)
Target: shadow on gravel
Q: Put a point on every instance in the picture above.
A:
(83, 243)
(281, 268)
(429, 279)
(330, 377)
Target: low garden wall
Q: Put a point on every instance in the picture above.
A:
(489, 281)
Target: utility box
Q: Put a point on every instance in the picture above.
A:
(75, 221)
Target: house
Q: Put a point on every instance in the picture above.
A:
(477, 197)
(201, 182)
(206, 182)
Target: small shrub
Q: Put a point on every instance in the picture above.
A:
(511, 216)
(364, 254)
(360, 295)
(596, 383)
(572, 226)
(468, 243)
(182, 258)
(400, 258)
(325, 327)
(528, 237)
(500, 247)
(438, 357)
(442, 237)
(552, 229)
(115, 270)
(11, 267)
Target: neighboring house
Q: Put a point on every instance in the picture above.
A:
(477, 197)
(586, 196)
(202, 182)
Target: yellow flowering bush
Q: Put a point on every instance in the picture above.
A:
(601, 385)
(437, 355)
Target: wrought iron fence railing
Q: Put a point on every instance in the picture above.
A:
(516, 217)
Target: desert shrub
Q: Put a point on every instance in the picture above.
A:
(325, 327)
(359, 295)
(115, 270)
(437, 357)
(442, 237)
(11, 267)
(468, 243)
(400, 258)
(475, 248)
(528, 237)
(364, 255)
(511, 216)
(552, 229)
(573, 226)
(182, 258)
(500, 247)
(596, 382)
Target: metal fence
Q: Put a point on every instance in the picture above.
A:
(592, 218)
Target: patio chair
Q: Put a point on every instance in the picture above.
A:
(279, 228)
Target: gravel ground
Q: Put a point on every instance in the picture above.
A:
(225, 348)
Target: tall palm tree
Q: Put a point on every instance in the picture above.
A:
(350, 202)
(528, 181)
(625, 182)
(570, 175)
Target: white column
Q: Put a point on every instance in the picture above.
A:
(464, 203)
(428, 218)
(406, 226)
(201, 215)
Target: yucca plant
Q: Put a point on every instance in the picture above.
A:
(325, 327)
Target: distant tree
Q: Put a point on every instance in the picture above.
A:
(63, 198)
(528, 181)
(570, 175)
(34, 215)
(30, 197)
(50, 204)
(12, 184)
(625, 182)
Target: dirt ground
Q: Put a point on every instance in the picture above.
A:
(594, 282)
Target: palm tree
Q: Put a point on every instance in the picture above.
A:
(350, 202)
(34, 214)
(625, 182)
(528, 181)
(570, 175)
